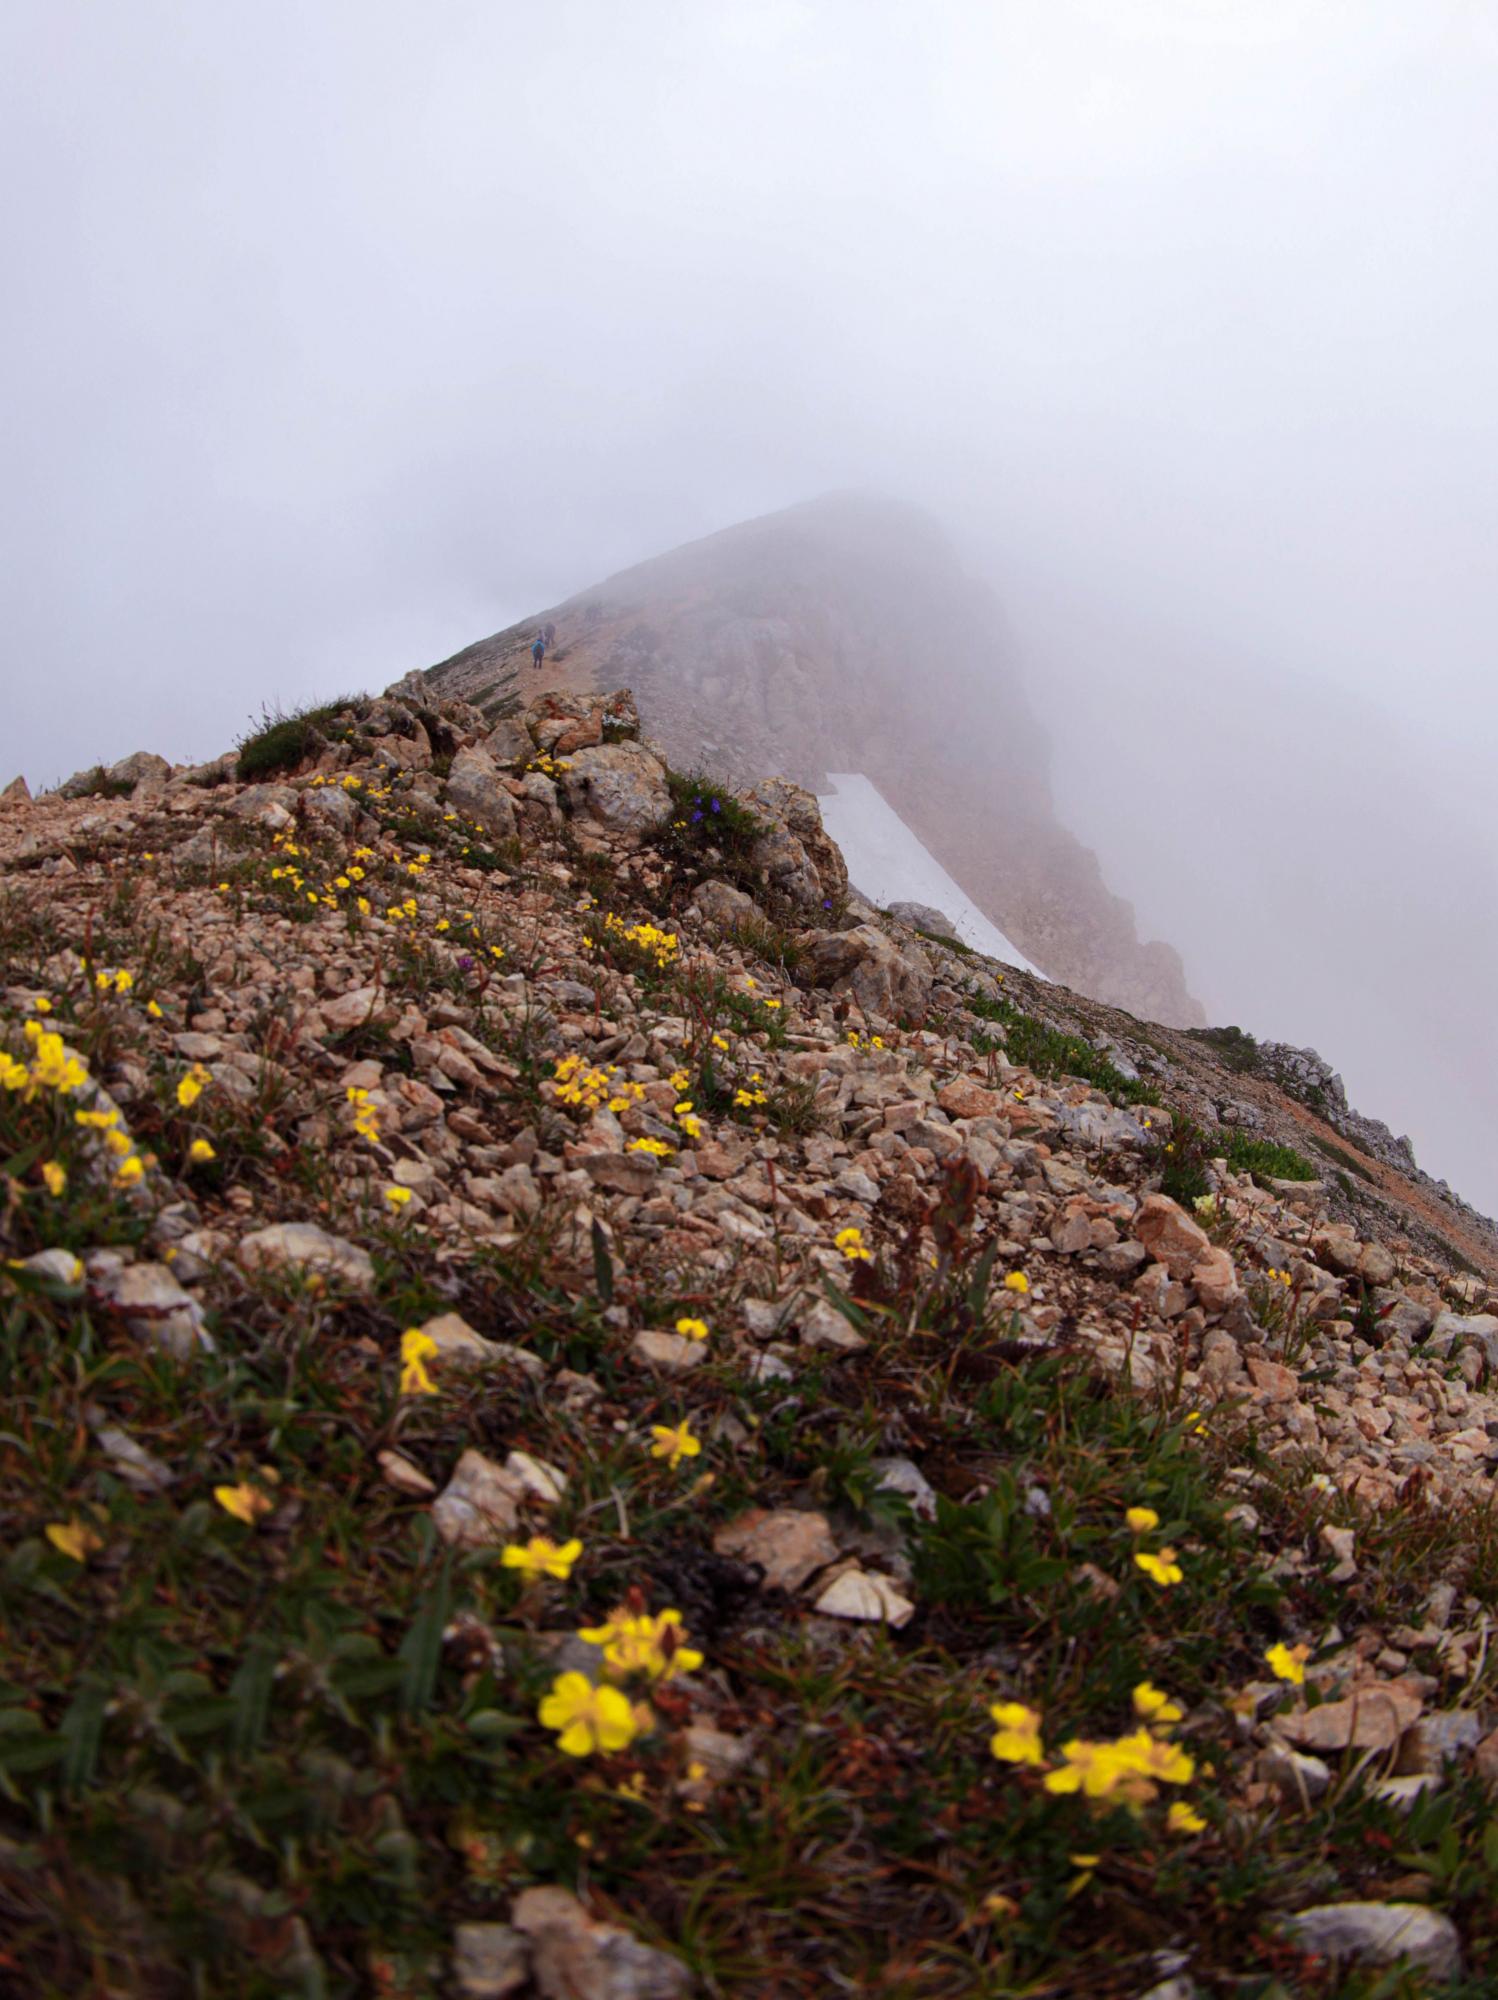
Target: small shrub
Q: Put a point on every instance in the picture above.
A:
(708, 826)
(1266, 1158)
(285, 738)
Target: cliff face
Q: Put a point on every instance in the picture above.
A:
(844, 635)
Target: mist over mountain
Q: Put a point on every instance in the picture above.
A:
(844, 635)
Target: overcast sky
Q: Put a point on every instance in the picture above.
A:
(334, 336)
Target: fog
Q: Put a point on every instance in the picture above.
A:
(332, 338)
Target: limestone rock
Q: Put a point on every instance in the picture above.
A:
(490, 1961)
(1215, 1281)
(789, 1546)
(269, 806)
(575, 1957)
(822, 1325)
(475, 789)
(865, 1596)
(480, 1505)
(671, 1353)
(884, 978)
(460, 1347)
(921, 917)
(903, 1476)
(621, 1173)
(1170, 1235)
(964, 1097)
(1380, 1934)
(356, 1009)
(1373, 1717)
(144, 770)
(404, 1476)
(619, 785)
(156, 1308)
(305, 1249)
(796, 852)
(510, 743)
(723, 908)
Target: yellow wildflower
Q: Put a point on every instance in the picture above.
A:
(674, 1442)
(1151, 1705)
(189, 1090)
(397, 1196)
(692, 1329)
(42, 1004)
(542, 1557)
(657, 1148)
(130, 1171)
(1162, 1568)
(587, 1718)
(417, 1348)
(1094, 1769)
(1184, 1819)
(245, 1503)
(1017, 1282)
(1146, 1756)
(200, 1153)
(1142, 1520)
(74, 1538)
(1288, 1663)
(653, 1646)
(55, 1176)
(850, 1242)
(1017, 1740)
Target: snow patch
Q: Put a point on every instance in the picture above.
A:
(889, 865)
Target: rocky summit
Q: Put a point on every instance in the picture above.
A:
(587, 1414)
(844, 635)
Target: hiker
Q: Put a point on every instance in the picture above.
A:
(538, 650)
(549, 634)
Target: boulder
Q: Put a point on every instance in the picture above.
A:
(886, 979)
(144, 770)
(723, 908)
(16, 793)
(621, 786)
(789, 810)
(510, 743)
(475, 789)
(921, 917)
(271, 806)
(1455, 1330)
